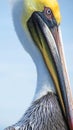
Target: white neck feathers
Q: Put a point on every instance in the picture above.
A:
(44, 81)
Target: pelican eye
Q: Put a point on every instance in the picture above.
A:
(48, 12)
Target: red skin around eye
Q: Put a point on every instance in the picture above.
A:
(49, 16)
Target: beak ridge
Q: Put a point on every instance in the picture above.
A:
(48, 39)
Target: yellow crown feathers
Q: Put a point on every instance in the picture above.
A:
(38, 5)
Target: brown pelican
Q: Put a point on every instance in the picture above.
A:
(37, 24)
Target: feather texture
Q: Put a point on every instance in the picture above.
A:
(43, 114)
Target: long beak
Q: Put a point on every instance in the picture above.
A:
(48, 40)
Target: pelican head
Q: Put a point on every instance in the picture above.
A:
(40, 22)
